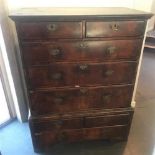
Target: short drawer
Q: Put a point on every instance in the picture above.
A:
(44, 140)
(54, 101)
(51, 124)
(46, 52)
(47, 30)
(108, 120)
(82, 74)
(114, 28)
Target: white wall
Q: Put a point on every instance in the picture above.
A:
(153, 10)
(70, 3)
(8, 50)
(153, 6)
(137, 4)
(144, 5)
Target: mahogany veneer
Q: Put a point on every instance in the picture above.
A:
(80, 66)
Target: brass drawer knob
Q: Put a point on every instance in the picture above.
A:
(56, 76)
(62, 136)
(83, 45)
(58, 100)
(51, 27)
(109, 72)
(83, 67)
(106, 97)
(115, 27)
(31, 91)
(84, 91)
(59, 123)
(55, 52)
(111, 50)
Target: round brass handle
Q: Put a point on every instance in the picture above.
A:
(31, 91)
(83, 67)
(55, 52)
(115, 27)
(83, 45)
(56, 76)
(59, 123)
(51, 27)
(111, 50)
(58, 100)
(84, 91)
(62, 136)
(109, 72)
(106, 97)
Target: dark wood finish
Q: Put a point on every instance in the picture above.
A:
(40, 53)
(45, 139)
(115, 28)
(77, 99)
(95, 119)
(71, 132)
(82, 74)
(109, 120)
(80, 65)
(52, 76)
(57, 124)
(46, 30)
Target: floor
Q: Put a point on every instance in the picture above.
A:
(15, 138)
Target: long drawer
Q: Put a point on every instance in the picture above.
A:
(82, 74)
(40, 53)
(114, 28)
(85, 119)
(49, 30)
(76, 99)
(44, 140)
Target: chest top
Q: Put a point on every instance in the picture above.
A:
(76, 13)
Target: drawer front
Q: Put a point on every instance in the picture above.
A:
(107, 74)
(108, 120)
(55, 75)
(77, 99)
(44, 53)
(115, 28)
(83, 74)
(47, 30)
(47, 138)
(56, 124)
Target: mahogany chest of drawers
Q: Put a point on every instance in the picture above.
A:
(80, 67)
